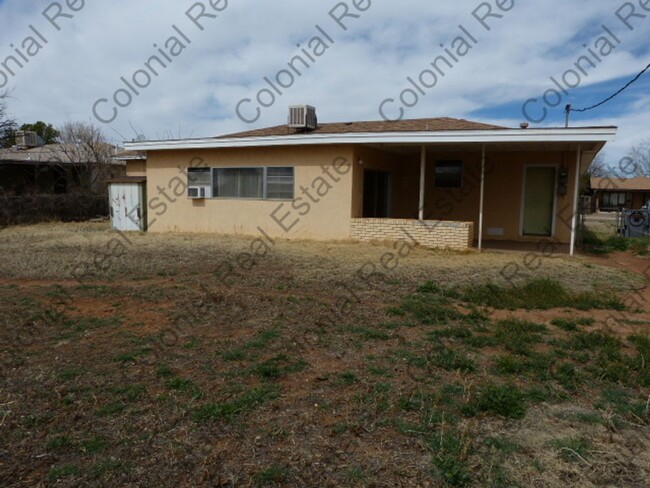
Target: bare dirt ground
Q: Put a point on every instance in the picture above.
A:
(150, 360)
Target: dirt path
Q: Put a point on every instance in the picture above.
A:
(633, 264)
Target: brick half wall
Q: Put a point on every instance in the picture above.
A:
(437, 234)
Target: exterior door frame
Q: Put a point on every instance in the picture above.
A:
(523, 199)
(388, 202)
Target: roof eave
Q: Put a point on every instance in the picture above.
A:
(576, 135)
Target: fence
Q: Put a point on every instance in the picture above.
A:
(30, 209)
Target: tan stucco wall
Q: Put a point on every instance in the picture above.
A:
(136, 168)
(170, 210)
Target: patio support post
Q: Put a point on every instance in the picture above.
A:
(480, 213)
(423, 166)
(576, 195)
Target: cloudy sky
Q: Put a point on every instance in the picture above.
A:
(221, 56)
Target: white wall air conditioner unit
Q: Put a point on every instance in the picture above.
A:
(302, 117)
(198, 192)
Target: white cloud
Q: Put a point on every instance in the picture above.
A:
(366, 64)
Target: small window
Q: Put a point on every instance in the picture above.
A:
(198, 177)
(449, 174)
(279, 183)
(239, 182)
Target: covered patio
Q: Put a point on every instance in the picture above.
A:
(465, 194)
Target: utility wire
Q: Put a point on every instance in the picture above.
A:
(571, 109)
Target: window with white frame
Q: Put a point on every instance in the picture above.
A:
(273, 183)
(449, 174)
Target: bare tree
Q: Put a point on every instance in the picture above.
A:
(85, 153)
(7, 124)
(640, 156)
(599, 168)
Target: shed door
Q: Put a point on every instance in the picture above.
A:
(539, 201)
(126, 206)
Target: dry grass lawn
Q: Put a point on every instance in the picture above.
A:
(175, 360)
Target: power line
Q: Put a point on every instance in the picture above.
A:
(571, 109)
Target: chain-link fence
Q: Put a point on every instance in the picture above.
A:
(595, 227)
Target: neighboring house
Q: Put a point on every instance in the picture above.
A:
(33, 168)
(613, 194)
(439, 182)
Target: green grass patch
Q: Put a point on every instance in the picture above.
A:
(164, 372)
(502, 400)
(278, 366)
(538, 294)
(71, 373)
(371, 334)
(60, 442)
(245, 403)
(348, 378)
(518, 336)
(452, 332)
(184, 385)
(450, 458)
(93, 444)
(130, 357)
(450, 360)
(431, 308)
(274, 475)
(105, 466)
(261, 341)
(573, 449)
(597, 244)
(64, 471)
(111, 408)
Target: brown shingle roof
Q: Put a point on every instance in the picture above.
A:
(641, 183)
(414, 125)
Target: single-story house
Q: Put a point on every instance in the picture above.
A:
(440, 182)
(31, 167)
(613, 194)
